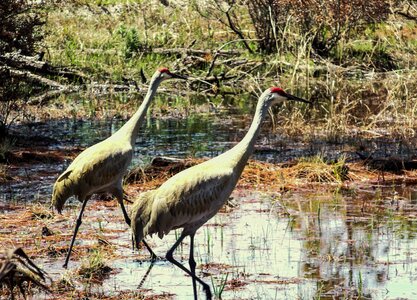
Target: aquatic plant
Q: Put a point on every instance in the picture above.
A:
(93, 267)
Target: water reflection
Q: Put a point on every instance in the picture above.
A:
(315, 247)
(197, 135)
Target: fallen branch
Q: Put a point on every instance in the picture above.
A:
(34, 65)
(45, 97)
(23, 74)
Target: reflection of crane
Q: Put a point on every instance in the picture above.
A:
(190, 198)
(100, 168)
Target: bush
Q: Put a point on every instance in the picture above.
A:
(323, 23)
(19, 26)
(20, 31)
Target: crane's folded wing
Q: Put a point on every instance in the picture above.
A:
(190, 197)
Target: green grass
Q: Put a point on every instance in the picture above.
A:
(219, 285)
(93, 266)
(110, 40)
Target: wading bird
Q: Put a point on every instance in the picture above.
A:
(190, 198)
(100, 168)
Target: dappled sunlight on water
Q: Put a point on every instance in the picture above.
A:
(294, 246)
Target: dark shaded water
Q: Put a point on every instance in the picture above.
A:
(203, 135)
(209, 135)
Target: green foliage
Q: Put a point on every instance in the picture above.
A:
(71, 50)
(132, 41)
(317, 169)
(94, 266)
(219, 285)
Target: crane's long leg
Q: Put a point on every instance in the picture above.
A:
(192, 263)
(153, 255)
(77, 225)
(118, 193)
(170, 258)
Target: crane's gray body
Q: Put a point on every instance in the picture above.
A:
(101, 167)
(190, 198)
(98, 169)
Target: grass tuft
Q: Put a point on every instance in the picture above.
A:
(94, 267)
(316, 169)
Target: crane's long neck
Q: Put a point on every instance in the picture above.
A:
(243, 150)
(130, 129)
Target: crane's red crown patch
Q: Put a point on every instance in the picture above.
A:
(163, 70)
(277, 90)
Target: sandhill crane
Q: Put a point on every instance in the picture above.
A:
(190, 198)
(100, 168)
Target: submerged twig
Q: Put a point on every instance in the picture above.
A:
(17, 268)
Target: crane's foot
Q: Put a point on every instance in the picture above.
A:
(209, 296)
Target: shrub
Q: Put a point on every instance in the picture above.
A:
(323, 23)
(19, 26)
(20, 31)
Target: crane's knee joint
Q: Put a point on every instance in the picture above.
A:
(169, 256)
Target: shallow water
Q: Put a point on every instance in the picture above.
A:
(204, 135)
(296, 252)
(292, 246)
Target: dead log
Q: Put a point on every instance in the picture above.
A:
(388, 164)
(173, 51)
(34, 65)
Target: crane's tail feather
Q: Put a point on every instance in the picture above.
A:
(140, 215)
(137, 227)
(63, 189)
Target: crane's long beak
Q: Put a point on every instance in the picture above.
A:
(295, 98)
(178, 76)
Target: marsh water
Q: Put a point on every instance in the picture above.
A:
(316, 245)
(337, 243)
